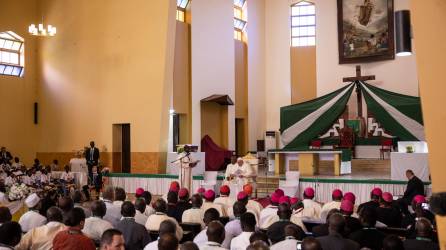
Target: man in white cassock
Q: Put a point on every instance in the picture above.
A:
(240, 173)
(186, 163)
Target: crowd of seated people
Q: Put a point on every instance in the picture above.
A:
(41, 177)
(182, 219)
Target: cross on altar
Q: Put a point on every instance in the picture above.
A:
(356, 79)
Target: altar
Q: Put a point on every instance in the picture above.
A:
(308, 160)
(417, 161)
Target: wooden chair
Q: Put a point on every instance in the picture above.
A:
(154, 234)
(347, 139)
(401, 232)
(194, 228)
(386, 146)
(224, 220)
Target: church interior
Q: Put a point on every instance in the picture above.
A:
(345, 93)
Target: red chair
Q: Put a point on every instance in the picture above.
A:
(316, 144)
(386, 146)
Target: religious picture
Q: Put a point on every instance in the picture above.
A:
(365, 30)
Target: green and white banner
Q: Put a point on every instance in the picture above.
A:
(302, 122)
(399, 114)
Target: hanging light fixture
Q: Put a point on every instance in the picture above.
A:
(41, 30)
(403, 33)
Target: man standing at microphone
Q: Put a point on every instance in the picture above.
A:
(186, 164)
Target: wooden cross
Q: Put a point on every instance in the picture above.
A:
(356, 79)
(358, 76)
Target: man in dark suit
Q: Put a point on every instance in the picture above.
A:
(5, 156)
(424, 237)
(135, 235)
(414, 187)
(334, 240)
(276, 232)
(92, 158)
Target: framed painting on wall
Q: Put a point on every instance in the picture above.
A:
(365, 30)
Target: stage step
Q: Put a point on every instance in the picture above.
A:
(266, 185)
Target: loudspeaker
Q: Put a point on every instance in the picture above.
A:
(36, 113)
(260, 145)
(403, 33)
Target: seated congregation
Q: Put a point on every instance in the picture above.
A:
(201, 220)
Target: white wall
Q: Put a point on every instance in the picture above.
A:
(212, 56)
(399, 75)
(256, 71)
(277, 60)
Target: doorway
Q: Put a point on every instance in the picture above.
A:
(121, 148)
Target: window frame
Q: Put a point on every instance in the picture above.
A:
(238, 22)
(181, 11)
(16, 69)
(299, 26)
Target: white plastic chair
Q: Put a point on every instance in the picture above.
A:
(291, 184)
(210, 180)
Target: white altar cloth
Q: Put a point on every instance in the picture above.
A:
(400, 162)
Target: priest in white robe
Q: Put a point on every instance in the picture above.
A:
(186, 163)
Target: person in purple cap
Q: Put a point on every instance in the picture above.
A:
(419, 212)
(243, 197)
(209, 197)
(351, 223)
(268, 212)
(224, 198)
(296, 220)
(311, 208)
(336, 197)
(183, 203)
(387, 213)
(375, 196)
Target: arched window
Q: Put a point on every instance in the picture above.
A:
(12, 59)
(303, 24)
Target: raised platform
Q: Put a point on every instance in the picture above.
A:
(360, 182)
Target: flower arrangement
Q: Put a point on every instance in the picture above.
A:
(18, 192)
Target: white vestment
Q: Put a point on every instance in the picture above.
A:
(185, 173)
(41, 238)
(266, 215)
(238, 171)
(312, 209)
(327, 207)
(285, 244)
(193, 215)
(94, 227)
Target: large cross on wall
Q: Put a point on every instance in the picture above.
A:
(356, 79)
